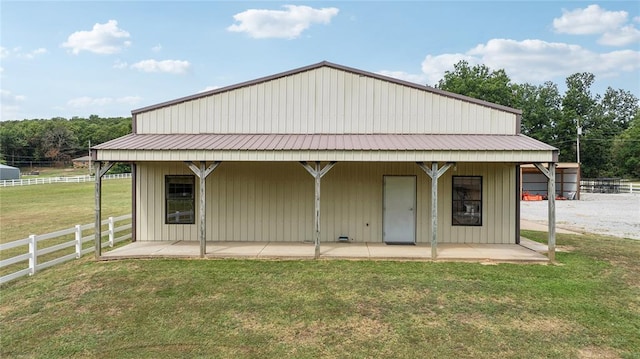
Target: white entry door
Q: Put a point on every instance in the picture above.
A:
(399, 211)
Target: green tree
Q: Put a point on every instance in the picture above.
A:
(541, 110)
(626, 150)
(58, 142)
(478, 82)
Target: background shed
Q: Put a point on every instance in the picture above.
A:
(9, 173)
(567, 180)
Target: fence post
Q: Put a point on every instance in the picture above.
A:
(78, 241)
(33, 254)
(111, 233)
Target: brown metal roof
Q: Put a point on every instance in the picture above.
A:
(337, 67)
(325, 142)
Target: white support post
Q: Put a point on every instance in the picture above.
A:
(111, 233)
(434, 173)
(78, 241)
(318, 172)
(202, 173)
(550, 173)
(33, 254)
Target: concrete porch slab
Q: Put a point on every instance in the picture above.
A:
(333, 250)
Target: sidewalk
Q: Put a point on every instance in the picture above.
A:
(543, 227)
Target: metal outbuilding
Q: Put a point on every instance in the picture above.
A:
(398, 163)
(9, 173)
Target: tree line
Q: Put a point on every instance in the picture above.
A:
(56, 141)
(609, 124)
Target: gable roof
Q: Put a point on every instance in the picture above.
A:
(337, 67)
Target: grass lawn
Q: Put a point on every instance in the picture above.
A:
(44, 208)
(588, 306)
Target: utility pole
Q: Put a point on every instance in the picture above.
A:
(578, 139)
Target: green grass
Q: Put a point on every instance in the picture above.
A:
(55, 172)
(586, 307)
(40, 209)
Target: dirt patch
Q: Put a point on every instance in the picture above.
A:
(597, 353)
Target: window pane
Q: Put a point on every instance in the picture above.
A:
(180, 199)
(466, 208)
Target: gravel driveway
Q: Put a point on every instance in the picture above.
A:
(612, 214)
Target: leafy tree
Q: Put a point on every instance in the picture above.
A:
(541, 110)
(58, 141)
(478, 82)
(626, 149)
(27, 142)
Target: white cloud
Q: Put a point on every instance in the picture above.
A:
(434, 67)
(535, 61)
(168, 66)
(8, 97)
(595, 20)
(10, 105)
(591, 20)
(286, 24)
(85, 101)
(156, 48)
(118, 64)
(103, 39)
(18, 53)
(620, 37)
(405, 76)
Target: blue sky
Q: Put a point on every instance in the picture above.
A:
(77, 58)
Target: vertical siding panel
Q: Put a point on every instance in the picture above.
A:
(351, 100)
(373, 95)
(342, 127)
(278, 108)
(461, 107)
(296, 94)
(325, 103)
(312, 111)
(260, 108)
(436, 114)
(383, 109)
(288, 103)
(268, 108)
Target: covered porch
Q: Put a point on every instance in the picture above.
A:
(525, 252)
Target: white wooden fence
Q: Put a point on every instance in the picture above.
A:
(48, 180)
(619, 186)
(34, 252)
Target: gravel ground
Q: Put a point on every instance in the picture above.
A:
(611, 214)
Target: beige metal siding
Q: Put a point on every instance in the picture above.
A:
(150, 198)
(267, 201)
(327, 100)
(498, 205)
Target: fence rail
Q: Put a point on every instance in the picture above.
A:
(34, 253)
(609, 186)
(48, 180)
